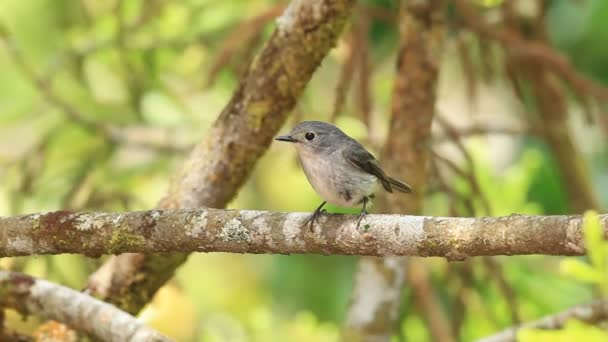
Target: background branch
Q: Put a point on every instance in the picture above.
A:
(96, 318)
(593, 312)
(374, 307)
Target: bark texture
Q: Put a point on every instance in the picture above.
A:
(374, 306)
(99, 320)
(245, 231)
(221, 163)
(593, 312)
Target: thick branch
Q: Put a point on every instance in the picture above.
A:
(245, 231)
(593, 312)
(96, 318)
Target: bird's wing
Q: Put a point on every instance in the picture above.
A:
(366, 162)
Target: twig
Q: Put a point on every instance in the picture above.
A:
(131, 75)
(122, 135)
(483, 129)
(156, 138)
(364, 94)
(418, 278)
(468, 70)
(472, 179)
(45, 87)
(593, 312)
(552, 110)
(496, 272)
(240, 37)
(522, 48)
(347, 71)
(150, 11)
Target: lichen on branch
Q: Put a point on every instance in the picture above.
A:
(246, 231)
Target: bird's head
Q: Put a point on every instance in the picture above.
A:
(315, 137)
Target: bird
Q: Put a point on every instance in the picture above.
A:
(339, 168)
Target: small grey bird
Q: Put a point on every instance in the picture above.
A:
(340, 170)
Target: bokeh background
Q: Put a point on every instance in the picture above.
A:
(159, 72)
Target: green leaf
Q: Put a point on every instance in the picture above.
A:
(594, 240)
(580, 271)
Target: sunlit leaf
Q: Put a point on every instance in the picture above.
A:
(594, 240)
(580, 271)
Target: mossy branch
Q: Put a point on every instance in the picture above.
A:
(245, 231)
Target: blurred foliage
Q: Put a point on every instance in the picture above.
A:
(594, 272)
(572, 331)
(147, 65)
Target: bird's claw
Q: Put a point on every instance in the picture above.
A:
(310, 220)
(314, 216)
(360, 218)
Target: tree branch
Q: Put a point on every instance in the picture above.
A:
(96, 318)
(593, 312)
(246, 231)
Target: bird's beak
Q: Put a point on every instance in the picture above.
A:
(287, 138)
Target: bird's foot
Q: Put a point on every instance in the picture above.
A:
(363, 211)
(310, 220)
(360, 218)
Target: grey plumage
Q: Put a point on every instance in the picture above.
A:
(340, 170)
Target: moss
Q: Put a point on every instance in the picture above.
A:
(122, 240)
(258, 111)
(35, 221)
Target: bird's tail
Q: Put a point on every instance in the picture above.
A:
(400, 186)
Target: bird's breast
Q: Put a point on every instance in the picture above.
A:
(336, 180)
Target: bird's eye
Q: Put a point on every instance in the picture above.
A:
(309, 136)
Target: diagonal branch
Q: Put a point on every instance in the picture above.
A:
(593, 312)
(98, 319)
(246, 231)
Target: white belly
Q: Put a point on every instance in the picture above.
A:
(337, 181)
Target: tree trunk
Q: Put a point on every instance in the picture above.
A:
(374, 306)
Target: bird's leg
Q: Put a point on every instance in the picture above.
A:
(310, 220)
(363, 211)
